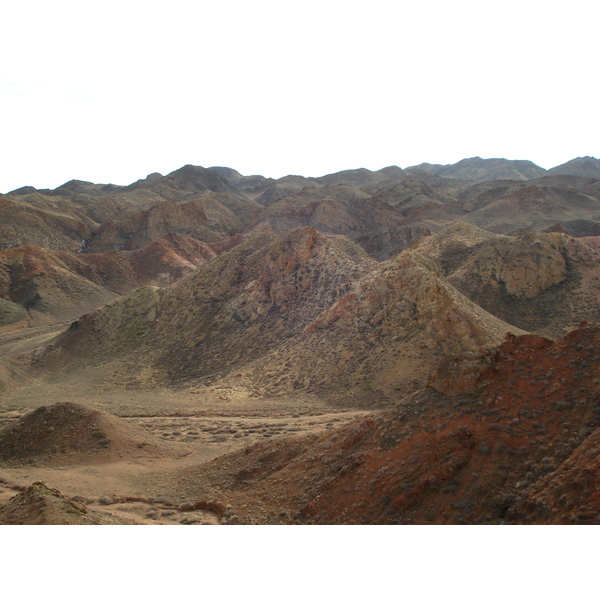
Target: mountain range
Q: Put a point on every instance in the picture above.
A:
(431, 331)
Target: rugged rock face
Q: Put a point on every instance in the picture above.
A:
(522, 268)
(385, 335)
(296, 312)
(237, 307)
(542, 282)
(384, 243)
(310, 313)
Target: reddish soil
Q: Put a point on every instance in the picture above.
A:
(521, 447)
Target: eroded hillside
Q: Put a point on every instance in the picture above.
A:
(397, 346)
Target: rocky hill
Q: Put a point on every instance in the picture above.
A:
(283, 314)
(383, 210)
(34, 220)
(517, 447)
(232, 310)
(545, 283)
(411, 346)
(490, 169)
(586, 166)
(58, 285)
(481, 169)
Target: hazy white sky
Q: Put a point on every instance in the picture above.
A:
(111, 91)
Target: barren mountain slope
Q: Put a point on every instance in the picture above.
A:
(240, 305)
(302, 313)
(189, 180)
(487, 456)
(570, 494)
(22, 222)
(383, 338)
(161, 262)
(407, 193)
(341, 209)
(584, 166)
(63, 285)
(266, 191)
(513, 207)
(39, 281)
(81, 215)
(414, 390)
(486, 169)
(540, 282)
(209, 217)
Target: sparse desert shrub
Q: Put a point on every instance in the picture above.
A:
(388, 442)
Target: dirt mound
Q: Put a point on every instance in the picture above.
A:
(67, 430)
(41, 505)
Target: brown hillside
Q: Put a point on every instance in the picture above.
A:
(344, 210)
(21, 222)
(540, 282)
(160, 263)
(286, 314)
(386, 334)
(38, 280)
(512, 207)
(235, 308)
(64, 285)
(209, 217)
(521, 438)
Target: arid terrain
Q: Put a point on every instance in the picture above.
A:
(403, 346)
